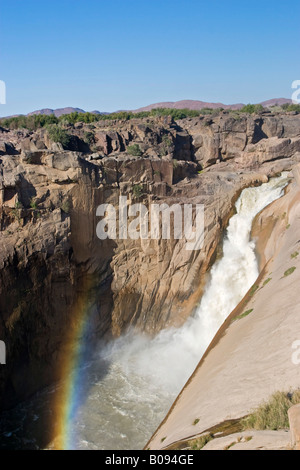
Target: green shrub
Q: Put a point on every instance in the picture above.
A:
(137, 190)
(200, 442)
(89, 138)
(31, 123)
(267, 281)
(134, 150)
(289, 271)
(253, 290)
(252, 108)
(291, 107)
(242, 315)
(33, 203)
(66, 206)
(166, 140)
(166, 145)
(59, 135)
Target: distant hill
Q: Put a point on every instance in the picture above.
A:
(57, 112)
(190, 104)
(276, 101)
(195, 104)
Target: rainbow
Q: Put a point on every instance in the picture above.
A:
(70, 394)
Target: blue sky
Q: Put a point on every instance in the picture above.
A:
(124, 54)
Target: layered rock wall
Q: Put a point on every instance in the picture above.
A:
(51, 258)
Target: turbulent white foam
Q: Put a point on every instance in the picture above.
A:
(144, 375)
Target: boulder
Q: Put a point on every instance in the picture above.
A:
(102, 142)
(7, 148)
(294, 419)
(63, 160)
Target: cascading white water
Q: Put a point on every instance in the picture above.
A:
(143, 376)
(130, 384)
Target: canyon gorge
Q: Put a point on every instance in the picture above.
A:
(53, 265)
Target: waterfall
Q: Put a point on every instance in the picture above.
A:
(143, 376)
(130, 384)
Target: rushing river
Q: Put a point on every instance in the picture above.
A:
(131, 383)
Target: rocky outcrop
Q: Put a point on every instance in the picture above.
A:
(246, 139)
(51, 259)
(206, 139)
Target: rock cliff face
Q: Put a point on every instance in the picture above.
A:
(51, 257)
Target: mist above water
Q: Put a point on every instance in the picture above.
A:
(130, 384)
(142, 375)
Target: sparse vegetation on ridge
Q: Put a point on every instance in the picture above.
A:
(36, 121)
(272, 414)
